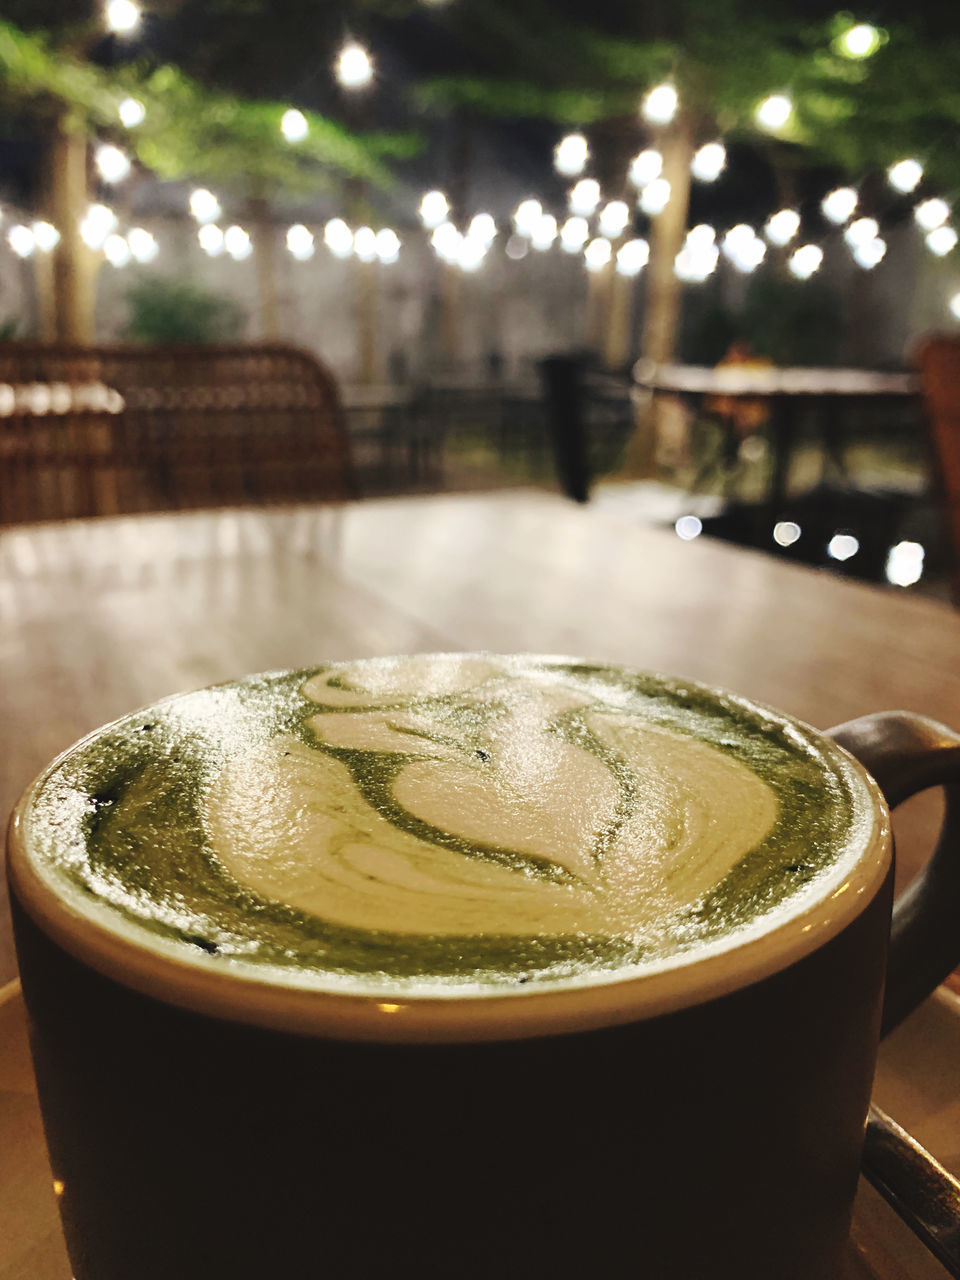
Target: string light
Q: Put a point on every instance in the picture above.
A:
(842, 546)
(470, 254)
(142, 244)
(708, 163)
(954, 305)
(838, 205)
(786, 533)
(21, 241)
(204, 205)
(660, 104)
(744, 248)
(365, 244)
(237, 243)
(774, 112)
(516, 248)
(116, 250)
(544, 232)
(528, 214)
(483, 228)
(905, 175)
(98, 222)
(870, 253)
(860, 41)
(805, 261)
(904, 564)
(645, 167)
(655, 196)
(293, 125)
(941, 240)
(584, 197)
(354, 66)
(632, 257)
(931, 214)
(300, 242)
(574, 234)
(782, 226)
(45, 236)
(122, 16)
(446, 241)
(211, 239)
(388, 245)
(131, 112)
(736, 238)
(338, 238)
(861, 232)
(112, 163)
(698, 258)
(614, 218)
(688, 527)
(570, 155)
(597, 253)
(434, 208)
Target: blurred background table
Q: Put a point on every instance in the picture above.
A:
(98, 617)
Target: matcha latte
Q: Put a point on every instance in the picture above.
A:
(447, 825)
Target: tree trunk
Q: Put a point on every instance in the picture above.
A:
(661, 321)
(264, 252)
(617, 347)
(67, 291)
(367, 286)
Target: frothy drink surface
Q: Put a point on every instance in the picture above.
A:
(447, 823)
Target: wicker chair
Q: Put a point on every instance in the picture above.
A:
(939, 362)
(104, 430)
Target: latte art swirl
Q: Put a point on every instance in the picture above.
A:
(446, 821)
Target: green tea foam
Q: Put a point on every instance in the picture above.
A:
(447, 823)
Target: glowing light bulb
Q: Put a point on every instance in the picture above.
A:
(655, 196)
(483, 228)
(237, 243)
(45, 236)
(597, 254)
(21, 241)
(122, 16)
(446, 240)
(869, 253)
(632, 257)
(584, 197)
(131, 112)
(696, 260)
(941, 240)
(116, 250)
(294, 125)
(470, 253)
(931, 213)
(434, 208)
(660, 104)
(860, 41)
(861, 231)
(97, 223)
(142, 244)
(300, 242)
(614, 218)
(774, 112)
(905, 175)
(904, 564)
(338, 238)
(805, 261)
(544, 232)
(112, 163)
(365, 244)
(574, 234)
(782, 226)
(842, 546)
(204, 205)
(211, 239)
(354, 66)
(570, 155)
(388, 245)
(704, 234)
(744, 248)
(954, 305)
(838, 205)
(528, 214)
(645, 167)
(688, 528)
(709, 162)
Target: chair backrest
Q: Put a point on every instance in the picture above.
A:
(103, 430)
(939, 362)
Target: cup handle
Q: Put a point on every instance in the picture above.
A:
(907, 753)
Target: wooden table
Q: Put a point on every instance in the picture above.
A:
(789, 391)
(98, 617)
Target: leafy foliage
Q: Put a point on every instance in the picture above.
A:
(163, 310)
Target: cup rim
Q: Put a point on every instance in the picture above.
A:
(156, 968)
